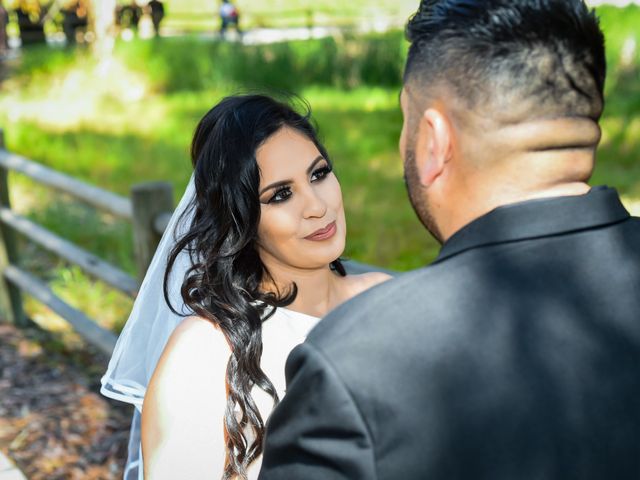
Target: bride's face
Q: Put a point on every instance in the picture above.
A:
(302, 222)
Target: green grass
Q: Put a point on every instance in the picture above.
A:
(133, 123)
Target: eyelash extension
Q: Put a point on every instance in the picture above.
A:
(279, 191)
(321, 172)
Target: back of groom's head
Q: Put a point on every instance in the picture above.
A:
(520, 58)
(501, 102)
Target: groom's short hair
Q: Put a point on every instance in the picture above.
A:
(547, 55)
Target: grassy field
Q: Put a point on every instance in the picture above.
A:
(132, 122)
(202, 15)
(199, 14)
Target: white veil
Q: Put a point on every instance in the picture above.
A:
(148, 328)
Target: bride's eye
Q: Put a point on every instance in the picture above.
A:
(321, 173)
(281, 194)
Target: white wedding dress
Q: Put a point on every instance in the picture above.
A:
(151, 323)
(280, 334)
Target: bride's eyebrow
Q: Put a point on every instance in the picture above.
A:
(282, 183)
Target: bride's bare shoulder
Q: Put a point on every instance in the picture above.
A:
(196, 343)
(364, 281)
(198, 330)
(185, 401)
(195, 339)
(195, 358)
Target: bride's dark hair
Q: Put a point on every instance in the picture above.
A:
(224, 280)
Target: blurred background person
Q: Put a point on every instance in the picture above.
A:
(156, 11)
(74, 19)
(128, 16)
(30, 22)
(229, 16)
(135, 13)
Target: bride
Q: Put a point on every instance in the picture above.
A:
(252, 265)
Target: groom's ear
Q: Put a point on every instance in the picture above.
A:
(433, 146)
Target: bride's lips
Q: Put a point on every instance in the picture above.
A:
(324, 233)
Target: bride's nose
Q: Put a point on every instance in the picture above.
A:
(314, 204)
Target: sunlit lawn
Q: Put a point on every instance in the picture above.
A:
(132, 122)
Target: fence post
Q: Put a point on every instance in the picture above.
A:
(149, 200)
(10, 296)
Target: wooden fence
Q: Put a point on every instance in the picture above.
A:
(149, 209)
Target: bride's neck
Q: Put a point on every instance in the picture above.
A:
(318, 289)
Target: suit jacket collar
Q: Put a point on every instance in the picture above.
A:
(538, 218)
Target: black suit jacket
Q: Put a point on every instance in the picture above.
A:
(515, 356)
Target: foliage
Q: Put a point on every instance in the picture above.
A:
(620, 147)
(345, 62)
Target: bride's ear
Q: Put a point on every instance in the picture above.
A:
(433, 146)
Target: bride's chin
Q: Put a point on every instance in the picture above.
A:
(327, 251)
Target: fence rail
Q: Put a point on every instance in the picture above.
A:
(102, 338)
(97, 197)
(89, 262)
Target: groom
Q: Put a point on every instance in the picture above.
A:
(516, 354)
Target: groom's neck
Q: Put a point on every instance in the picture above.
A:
(527, 161)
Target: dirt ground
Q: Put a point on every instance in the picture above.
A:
(54, 424)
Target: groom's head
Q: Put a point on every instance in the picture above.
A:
(501, 102)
